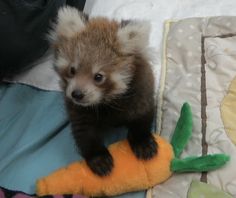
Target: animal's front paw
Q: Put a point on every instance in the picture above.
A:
(101, 164)
(145, 149)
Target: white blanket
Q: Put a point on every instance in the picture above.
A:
(157, 11)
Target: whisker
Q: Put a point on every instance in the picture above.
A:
(113, 105)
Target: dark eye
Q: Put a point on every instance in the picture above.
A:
(72, 71)
(98, 77)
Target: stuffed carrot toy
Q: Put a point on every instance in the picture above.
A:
(129, 173)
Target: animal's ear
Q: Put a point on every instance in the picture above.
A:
(69, 22)
(133, 35)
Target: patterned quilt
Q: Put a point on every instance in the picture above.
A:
(199, 66)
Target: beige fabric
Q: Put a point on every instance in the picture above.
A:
(220, 70)
(228, 109)
(198, 49)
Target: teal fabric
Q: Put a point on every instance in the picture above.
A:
(35, 137)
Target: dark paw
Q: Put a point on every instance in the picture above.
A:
(145, 149)
(101, 164)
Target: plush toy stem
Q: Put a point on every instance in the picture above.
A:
(199, 164)
(182, 133)
(183, 130)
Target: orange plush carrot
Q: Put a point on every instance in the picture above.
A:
(129, 173)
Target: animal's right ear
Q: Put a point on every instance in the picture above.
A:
(69, 22)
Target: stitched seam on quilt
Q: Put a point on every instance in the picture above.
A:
(203, 106)
(204, 96)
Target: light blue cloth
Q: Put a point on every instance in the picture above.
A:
(35, 137)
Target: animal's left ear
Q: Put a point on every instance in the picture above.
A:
(133, 36)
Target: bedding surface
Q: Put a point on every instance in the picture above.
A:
(35, 137)
(199, 67)
(32, 136)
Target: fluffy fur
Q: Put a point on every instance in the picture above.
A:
(107, 81)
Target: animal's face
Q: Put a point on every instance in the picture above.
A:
(91, 73)
(94, 58)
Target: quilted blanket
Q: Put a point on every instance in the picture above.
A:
(199, 66)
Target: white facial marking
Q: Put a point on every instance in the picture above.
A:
(71, 87)
(121, 80)
(92, 95)
(96, 68)
(61, 62)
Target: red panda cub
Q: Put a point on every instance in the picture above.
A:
(108, 82)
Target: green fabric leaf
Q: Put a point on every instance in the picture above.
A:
(183, 130)
(199, 164)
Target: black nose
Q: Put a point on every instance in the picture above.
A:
(77, 94)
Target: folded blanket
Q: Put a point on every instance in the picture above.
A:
(199, 67)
